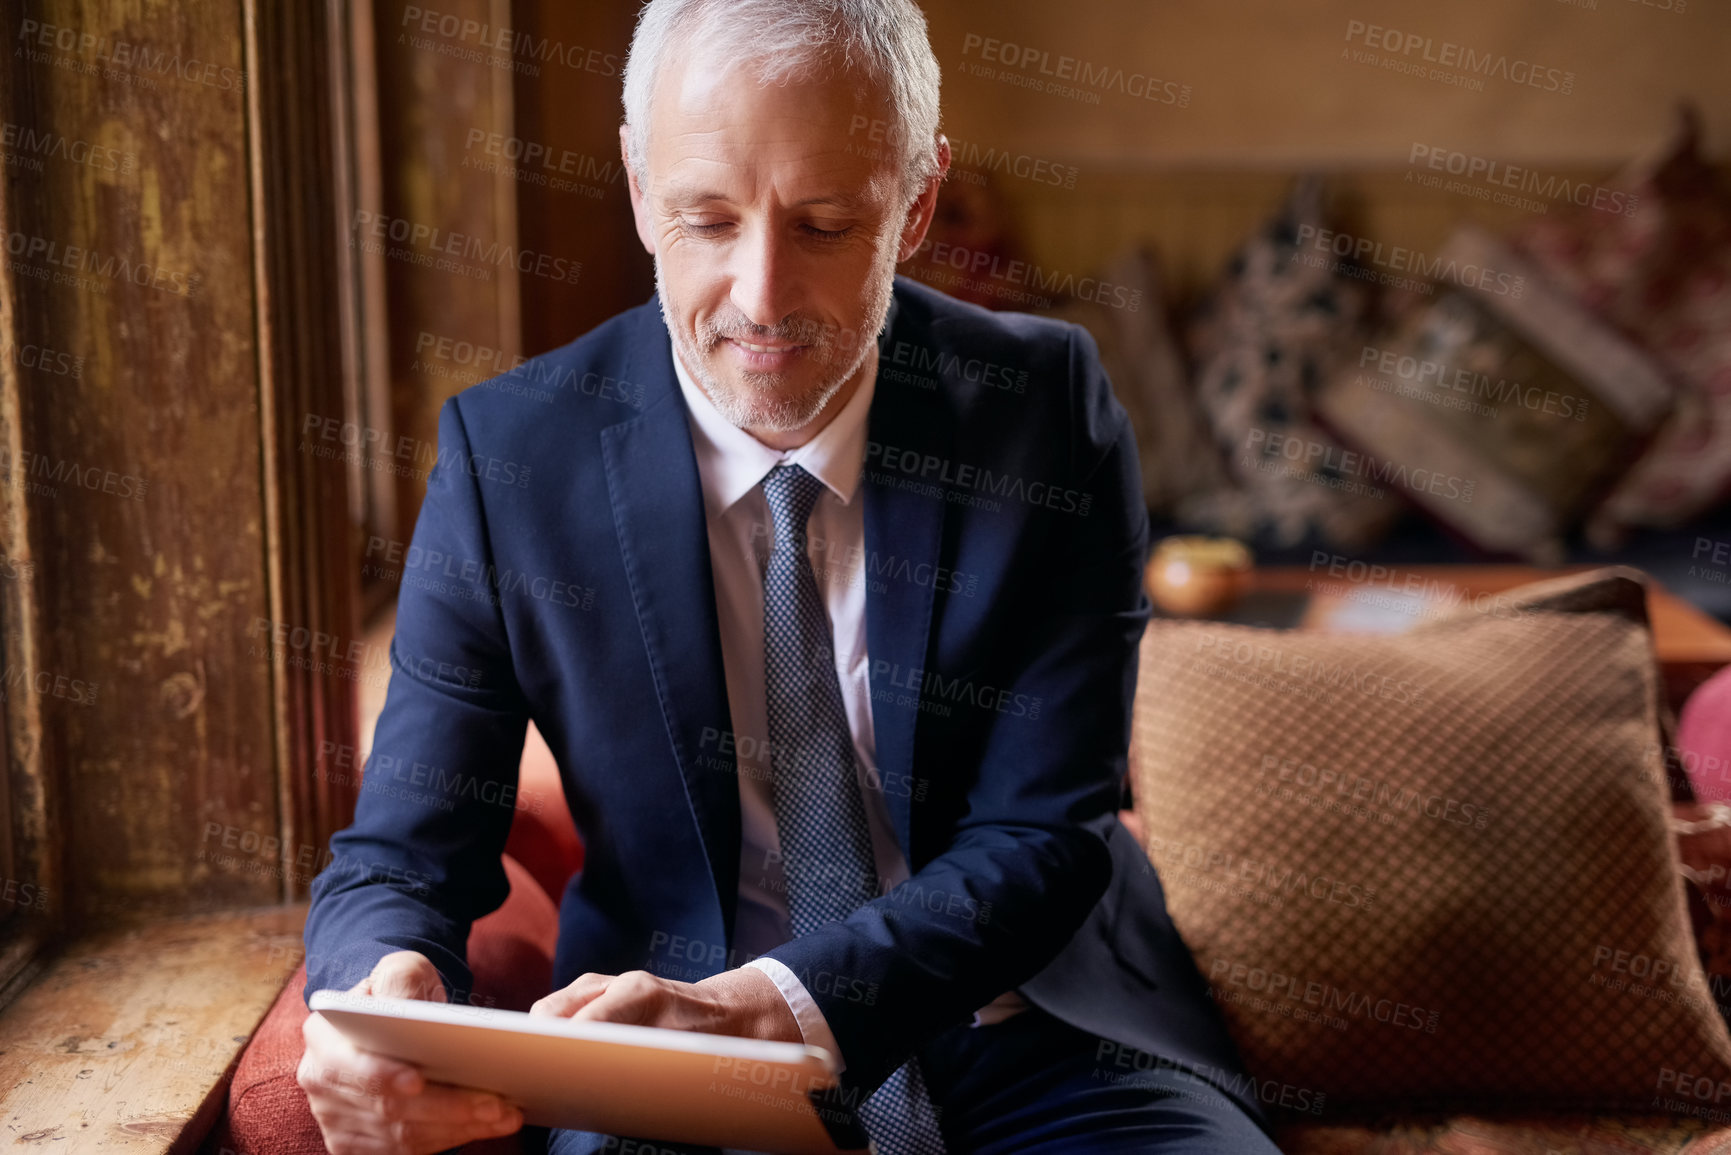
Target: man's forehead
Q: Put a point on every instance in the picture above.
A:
(683, 192)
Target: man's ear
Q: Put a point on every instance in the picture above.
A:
(925, 205)
(639, 212)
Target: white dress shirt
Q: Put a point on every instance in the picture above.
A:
(731, 465)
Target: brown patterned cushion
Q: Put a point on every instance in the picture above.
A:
(1435, 869)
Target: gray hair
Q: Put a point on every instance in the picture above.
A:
(882, 40)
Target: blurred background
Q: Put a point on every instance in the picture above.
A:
(1381, 283)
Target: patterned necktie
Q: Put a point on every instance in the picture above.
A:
(826, 847)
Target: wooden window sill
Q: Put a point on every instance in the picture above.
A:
(127, 1039)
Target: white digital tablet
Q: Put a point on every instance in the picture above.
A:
(641, 1082)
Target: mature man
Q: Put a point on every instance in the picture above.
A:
(846, 695)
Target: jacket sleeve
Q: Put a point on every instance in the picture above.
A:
(1028, 860)
(421, 861)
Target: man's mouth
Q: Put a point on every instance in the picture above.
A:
(755, 348)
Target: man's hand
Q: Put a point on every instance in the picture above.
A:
(367, 1103)
(740, 1002)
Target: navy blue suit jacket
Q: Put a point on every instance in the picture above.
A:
(560, 571)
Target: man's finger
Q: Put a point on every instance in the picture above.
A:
(370, 1106)
(366, 1133)
(431, 1137)
(635, 997)
(339, 1064)
(567, 1001)
(407, 975)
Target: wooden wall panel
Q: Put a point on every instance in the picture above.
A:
(572, 197)
(142, 468)
(442, 74)
(1196, 220)
(1274, 83)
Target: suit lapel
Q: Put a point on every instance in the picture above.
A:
(901, 523)
(657, 500)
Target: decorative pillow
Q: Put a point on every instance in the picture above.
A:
(1126, 316)
(1434, 870)
(1263, 344)
(1662, 274)
(1504, 412)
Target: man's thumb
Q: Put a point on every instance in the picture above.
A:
(407, 975)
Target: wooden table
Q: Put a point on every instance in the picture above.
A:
(1690, 645)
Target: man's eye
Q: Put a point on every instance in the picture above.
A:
(827, 234)
(703, 230)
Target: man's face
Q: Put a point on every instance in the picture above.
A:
(775, 243)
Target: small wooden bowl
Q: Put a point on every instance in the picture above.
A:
(1195, 577)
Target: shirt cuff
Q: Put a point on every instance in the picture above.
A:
(813, 1027)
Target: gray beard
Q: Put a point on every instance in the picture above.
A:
(759, 405)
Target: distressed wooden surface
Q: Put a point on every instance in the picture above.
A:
(437, 85)
(577, 201)
(126, 1042)
(300, 176)
(149, 506)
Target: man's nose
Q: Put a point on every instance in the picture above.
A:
(764, 276)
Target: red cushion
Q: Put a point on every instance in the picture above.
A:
(1704, 738)
(543, 837)
(511, 953)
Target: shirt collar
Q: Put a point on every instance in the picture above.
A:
(731, 462)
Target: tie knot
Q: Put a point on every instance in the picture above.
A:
(791, 493)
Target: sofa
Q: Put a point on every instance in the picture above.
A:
(511, 954)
